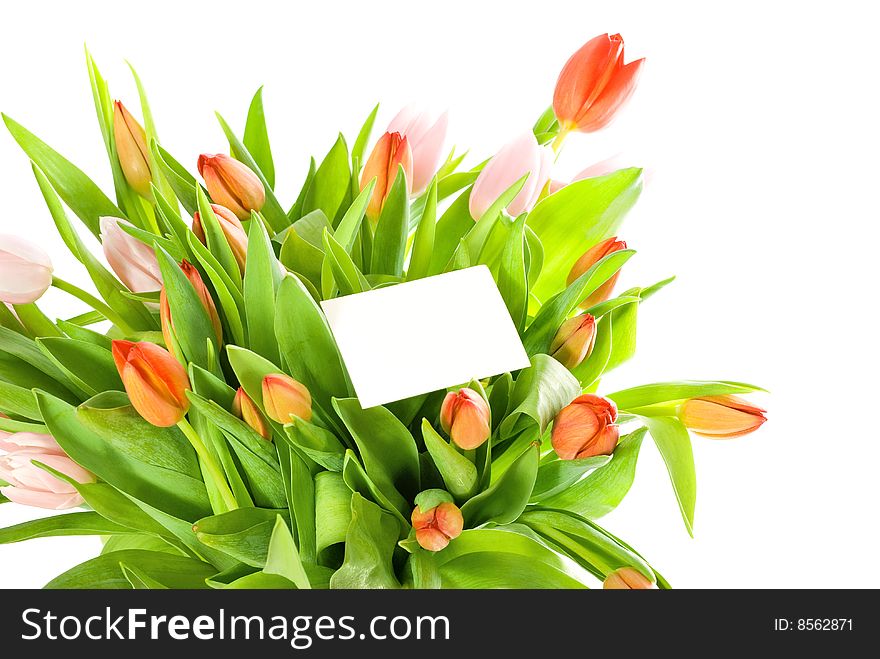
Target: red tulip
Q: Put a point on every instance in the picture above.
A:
(465, 417)
(437, 526)
(232, 230)
(155, 381)
(574, 341)
(132, 151)
(594, 84)
(245, 409)
(232, 184)
(721, 417)
(283, 396)
(391, 151)
(585, 428)
(627, 578)
(592, 256)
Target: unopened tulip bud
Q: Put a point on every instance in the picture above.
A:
(585, 428)
(232, 184)
(283, 396)
(391, 152)
(31, 485)
(520, 157)
(721, 417)
(133, 261)
(425, 134)
(594, 84)
(574, 341)
(132, 151)
(204, 297)
(627, 578)
(232, 230)
(155, 381)
(465, 416)
(436, 520)
(592, 256)
(25, 270)
(246, 410)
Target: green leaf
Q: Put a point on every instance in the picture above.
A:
(216, 240)
(512, 276)
(26, 376)
(358, 481)
(319, 444)
(389, 247)
(333, 499)
(558, 475)
(299, 252)
(181, 181)
(577, 217)
(283, 558)
(261, 281)
(538, 395)
(452, 226)
(77, 190)
(27, 350)
(243, 533)
(602, 490)
(543, 328)
(662, 392)
(19, 401)
(387, 448)
(229, 297)
(674, 444)
(459, 474)
(104, 572)
(271, 210)
(139, 580)
(296, 211)
(88, 523)
(330, 185)
(256, 138)
(346, 275)
(369, 547)
(90, 366)
(363, 137)
(507, 497)
(423, 242)
(349, 226)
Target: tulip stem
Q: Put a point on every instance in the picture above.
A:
(212, 467)
(558, 140)
(94, 303)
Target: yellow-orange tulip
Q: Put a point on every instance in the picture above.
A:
(391, 151)
(155, 381)
(232, 230)
(574, 341)
(627, 578)
(721, 417)
(232, 184)
(437, 526)
(132, 150)
(283, 396)
(465, 417)
(245, 409)
(592, 256)
(585, 428)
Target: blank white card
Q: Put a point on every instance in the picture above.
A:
(414, 338)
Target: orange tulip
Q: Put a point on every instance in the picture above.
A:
(204, 296)
(232, 184)
(721, 417)
(627, 578)
(574, 341)
(585, 428)
(232, 230)
(437, 526)
(465, 417)
(592, 256)
(391, 151)
(155, 381)
(244, 408)
(594, 84)
(283, 396)
(132, 151)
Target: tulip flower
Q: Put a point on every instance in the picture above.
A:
(601, 168)
(721, 417)
(31, 485)
(25, 270)
(465, 416)
(425, 134)
(592, 256)
(627, 578)
(436, 520)
(204, 297)
(232, 184)
(232, 230)
(516, 159)
(574, 341)
(594, 84)
(133, 261)
(155, 381)
(245, 409)
(392, 151)
(585, 428)
(131, 150)
(283, 396)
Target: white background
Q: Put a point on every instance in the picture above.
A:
(758, 121)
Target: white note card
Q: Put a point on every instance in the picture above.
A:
(410, 339)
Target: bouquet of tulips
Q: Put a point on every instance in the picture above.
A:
(200, 415)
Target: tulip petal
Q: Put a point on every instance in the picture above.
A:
(618, 92)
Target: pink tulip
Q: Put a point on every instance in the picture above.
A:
(133, 262)
(516, 159)
(25, 270)
(600, 168)
(30, 485)
(426, 135)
